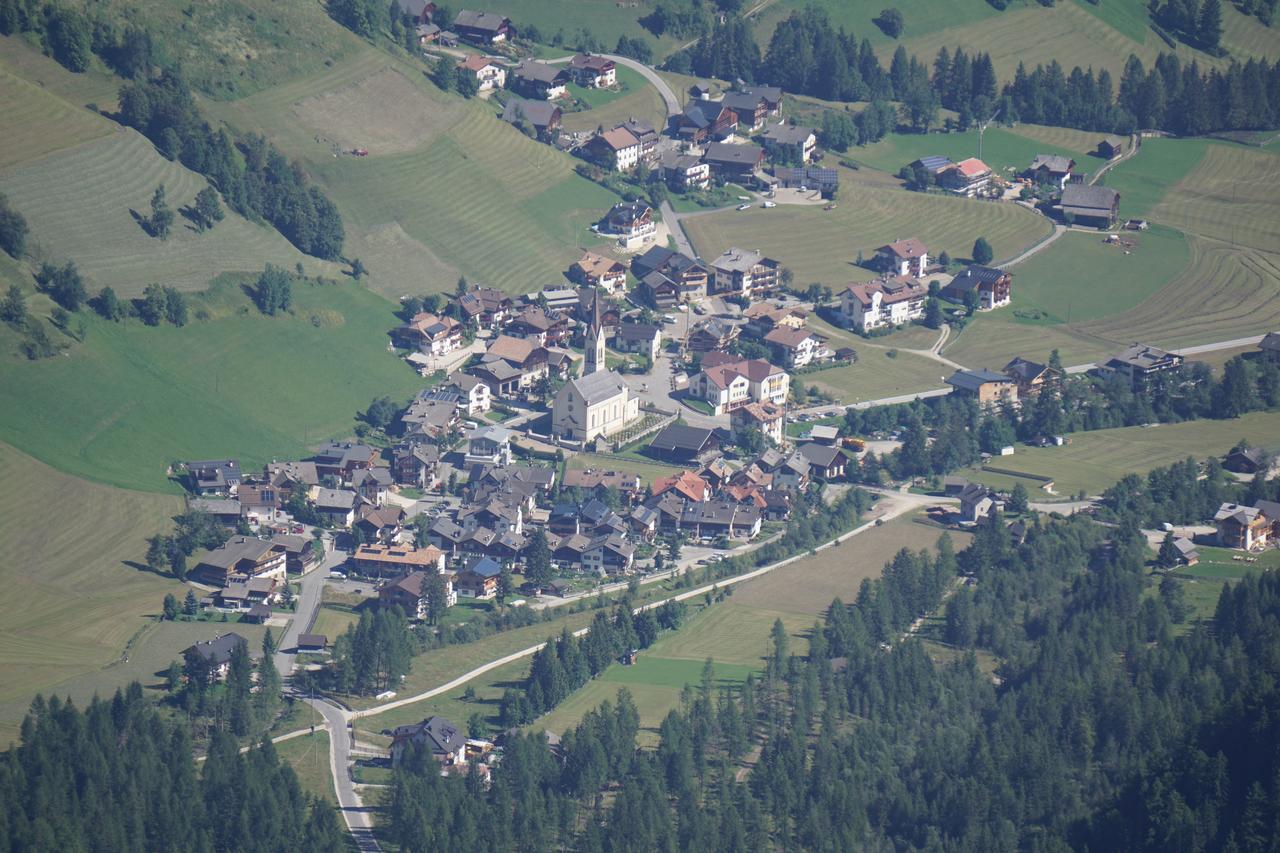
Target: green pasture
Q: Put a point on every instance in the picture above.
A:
(1005, 150)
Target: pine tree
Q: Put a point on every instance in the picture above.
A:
(538, 560)
(1209, 26)
(1169, 555)
(982, 253)
(191, 605)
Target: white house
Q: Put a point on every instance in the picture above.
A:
(795, 347)
(490, 444)
(904, 257)
(769, 418)
(886, 302)
(740, 271)
(632, 223)
(731, 385)
(618, 147)
(598, 404)
(488, 74)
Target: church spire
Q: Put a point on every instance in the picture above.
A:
(594, 343)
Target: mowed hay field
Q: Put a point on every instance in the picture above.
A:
(80, 205)
(130, 400)
(1095, 460)
(308, 755)
(823, 245)
(637, 100)
(71, 603)
(37, 122)
(875, 375)
(1006, 150)
(1231, 196)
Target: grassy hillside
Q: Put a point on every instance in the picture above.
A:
(1006, 150)
(119, 408)
(72, 603)
(822, 245)
(39, 122)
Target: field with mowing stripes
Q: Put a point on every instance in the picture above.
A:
(71, 603)
(1095, 460)
(1229, 196)
(120, 407)
(638, 100)
(78, 203)
(822, 245)
(1144, 179)
(1005, 150)
(95, 86)
(38, 122)
(875, 375)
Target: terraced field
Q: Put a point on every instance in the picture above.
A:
(72, 602)
(822, 245)
(78, 203)
(38, 122)
(95, 86)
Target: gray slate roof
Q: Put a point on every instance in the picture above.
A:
(1093, 198)
(599, 386)
(972, 380)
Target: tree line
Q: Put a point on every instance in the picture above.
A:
(243, 702)
(118, 776)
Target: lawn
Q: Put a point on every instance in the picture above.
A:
(332, 622)
(81, 205)
(1222, 563)
(1080, 277)
(38, 122)
(648, 471)
(823, 245)
(308, 755)
(856, 16)
(876, 375)
(1147, 177)
(1007, 151)
(131, 399)
(634, 98)
(73, 602)
(488, 688)
(1094, 460)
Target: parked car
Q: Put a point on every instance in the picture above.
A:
(744, 206)
(769, 204)
(337, 576)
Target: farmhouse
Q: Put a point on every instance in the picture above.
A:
(429, 417)
(435, 736)
(1244, 528)
(598, 404)
(631, 222)
(593, 270)
(541, 117)
(903, 257)
(1031, 377)
(985, 386)
(215, 654)
(488, 74)
(1094, 206)
(968, 177)
(734, 384)
(825, 462)
(750, 109)
(487, 307)
(1244, 460)
(992, 286)
(241, 558)
(336, 506)
(472, 395)
(741, 272)
(540, 80)
(644, 338)
(483, 27)
(479, 578)
(618, 149)
(886, 302)
(681, 443)
(976, 503)
(934, 165)
(1051, 169)
(702, 121)
(648, 137)
(214, 476)
(687, 276)
(733, 162)
(1141, 362)
(429, 333)
(684, 172)
(769, 418)
(593, 72)
(795, 347)
(787, 144)
(1112, 147)
(409, 593)
(341, 459)
(526, 357)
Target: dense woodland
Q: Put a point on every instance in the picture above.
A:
(1186, 492)
(1102, 728)
(117, 776)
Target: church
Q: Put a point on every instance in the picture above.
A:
(598, 403)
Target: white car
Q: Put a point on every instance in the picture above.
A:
(769, 204)
(337, 576)
(744, 206)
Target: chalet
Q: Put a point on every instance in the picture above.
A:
(644, 338)
(428, 417)
(490, 443)
(790, 145)
(593, 72)
(435, 736)
(214, 476)
(341, 459)
(225, 511)
(215, 655)
(373, 484)
(631, 222)
(430, 334)
(795, 347)
(1244, 460)
(968, 178)
(472, 395)
(540, 80)
(993, 287)
(409, 593)
(985, 386)
(733, 162)
(1031, 377)
(483, 27)
(617, 149)
(825, 462)
(488, 74)
(1051, 169)
(289, 474)
(731, 385)
(609, 555)
(421, 11)
(478, 578)
(681, 443)
(713, 334)
(1187, 553)
(770, 95)
(525, 357)
(598, 404)
(427, 33)
(721, 517)
(389, 561)
(768, 418)
(378, 523)
(886, 302)
(1270, 346)
(704, 121)
(903, 257)
(567, 551)
(487, 307)
(643, 131)
(299, 552)
(540, 117)
(544, 328)
(763, 317)
(243, 594)
(593, 270)
(312, 643)
(1140, 363)
(688, 277)
(600, 482)
(241, 558)
(1112, 147)
(749, 109)
(336, 506)
(742, 272)
(1094, 206)
(811, 178)
(684, 172)
(686, 484)
(976, 503)
(1245, 528)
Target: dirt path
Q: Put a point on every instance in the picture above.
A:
(1135, 143)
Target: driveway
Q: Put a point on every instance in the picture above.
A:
(304, 616)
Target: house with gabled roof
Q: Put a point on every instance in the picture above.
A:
(968, 178)
(720, 517)
(429, 333)
(749, 273)
(687, 277)
(703, 121)
(644, 338)
(890, 301)
(1112, 147)
(478, 578)
(341, 459)
(616, 148)
(542, 117)
(731, 385)
(409, 593)
(686, 484)
(598, 271)
(987, 387)
(993, 286)
(768, 418)
(1094, 206)
(488, 73)
(1244, 528)
(540, 80)
(593, 72)
(684, 172)
(435, 736)
(631, 222)
(907, 257)
(483, 27)
(215, 654)
(241, 558)
(487, 307)
(1052, 169)
(796, 347)
(682, 443)
(733, 162)
(790, 144)
(1141, 362)
(1031, 377)
(214, 476)
(598, 404)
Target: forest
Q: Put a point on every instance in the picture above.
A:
(1105, 725)
(118, 776)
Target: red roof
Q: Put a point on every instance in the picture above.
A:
(686, 483)
(973, 167)
(909, 248)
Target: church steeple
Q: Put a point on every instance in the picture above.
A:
(594, 343)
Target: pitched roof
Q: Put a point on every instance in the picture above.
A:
(739, 260)
(973, 277)
(896, 289)
(1054, 163)
(741, 101)
(619, 138)
(539, 113)
(759, 412)
(638, 331)
(335, 499)
(769, 93)
(738, 155)
(516, 350)
(480, 20)
(972, 380)
(593, 264)
(1084, 197)
(934, 163)
(678, 436)
(485, 567)
(218, 650)
(439, 735)
(475, 62)
(973, 167)
(599, 386)
(783, 134)
(591, 62)
(785, 336)
(685, 483)
(1237, 513)
(1270, 343)
(531, 69)
(820, 454)
(1024, 370)
(1142, 356)
(906, 249)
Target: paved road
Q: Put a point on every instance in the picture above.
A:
(1199, 349)
(304, 616)
(667, 93)
(354, 812)
(669, 216)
